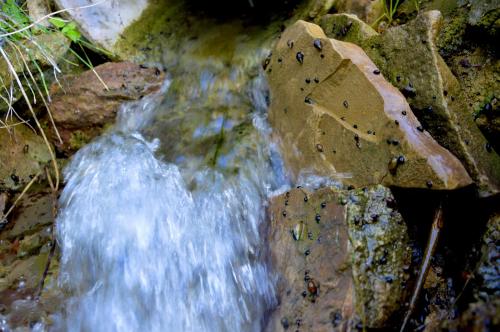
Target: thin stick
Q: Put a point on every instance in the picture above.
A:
(437, 224)
(4, 220)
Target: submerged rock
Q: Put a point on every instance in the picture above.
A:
(23, 154)
(407, 56)
(340, 256)
(83, 109)
(335, 113)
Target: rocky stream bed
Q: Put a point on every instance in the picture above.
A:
(251, 165)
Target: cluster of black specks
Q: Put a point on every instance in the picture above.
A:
(300, 57)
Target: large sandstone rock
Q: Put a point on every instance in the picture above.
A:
(23, 154)
(83, 107)
(409, 59)
(340, 257)
(335, 113)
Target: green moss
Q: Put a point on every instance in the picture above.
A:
(78, 139)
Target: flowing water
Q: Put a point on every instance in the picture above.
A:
(162, 219)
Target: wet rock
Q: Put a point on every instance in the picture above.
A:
(104, 22)
(346, 27)
(32, 213)
(360, 134)
(23, 154)
(354, 268)
(407, 55)
(85, 107)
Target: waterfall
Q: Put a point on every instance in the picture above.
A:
(158, 242)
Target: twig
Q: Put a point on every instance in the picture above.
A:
(4, 220)
(437, 224)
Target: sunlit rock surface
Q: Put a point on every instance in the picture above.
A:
(408, 57)
(340, 256)
(335, 113)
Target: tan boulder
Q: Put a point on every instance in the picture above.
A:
(408, 57)
(335, 114)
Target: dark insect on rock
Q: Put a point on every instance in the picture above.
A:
(336, 318)
(317, 44)
(488, 147)
(285, 323)
(308, 100)
(286, 202)
(316, 80)
(307, 252)
(350, 187)
(267, 61)
(323, 205)
(389, 279)
(420, 128)
(396, 122)
(15, 178)
(298, 322)
(401, 160)
(404, 112)
(319, 147)
(487, 107)
(26, 148)
(308, 80)
(300, 57)
(355, 126)
(346, 104)
(280, 60)
(429, 184)
(289, 43)
(310, 235)
(317, 218)
(306, 198)
(322, 56)
(376, 72)
(284, 213)
(304, 294)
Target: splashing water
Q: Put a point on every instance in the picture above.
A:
(155, 239)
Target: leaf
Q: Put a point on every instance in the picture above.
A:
(71, 31)
(57, 22)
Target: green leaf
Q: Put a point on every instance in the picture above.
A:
(71, 31)
(57, 22)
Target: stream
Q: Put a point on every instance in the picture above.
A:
(161, 219)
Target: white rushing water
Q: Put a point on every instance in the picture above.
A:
(149, 245)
